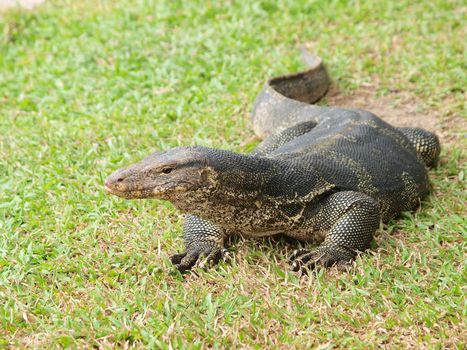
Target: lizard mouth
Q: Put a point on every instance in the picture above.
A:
(111, 190)
(151, 192)
(124, 194)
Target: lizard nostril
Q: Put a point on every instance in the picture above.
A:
(120, 179)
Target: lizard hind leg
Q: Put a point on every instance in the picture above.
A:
(350, 219)
(426, 144)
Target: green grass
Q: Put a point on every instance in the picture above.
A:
(87, 87)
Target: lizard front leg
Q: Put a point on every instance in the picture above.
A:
(204, 243)
(349, 220)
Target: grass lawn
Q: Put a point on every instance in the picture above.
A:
(88, 86)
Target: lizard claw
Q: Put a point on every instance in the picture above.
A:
(177, 258)
(304, 260)
(199, 257)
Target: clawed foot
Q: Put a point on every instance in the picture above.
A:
(304, 260)
(199, 257)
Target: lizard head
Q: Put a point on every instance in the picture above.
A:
(169, 175)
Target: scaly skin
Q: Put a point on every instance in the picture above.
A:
(322, 175)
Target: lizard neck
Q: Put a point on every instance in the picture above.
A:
(249, 192)
(234, 177)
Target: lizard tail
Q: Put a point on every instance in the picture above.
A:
(277, 105)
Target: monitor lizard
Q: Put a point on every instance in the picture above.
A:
(323, 175)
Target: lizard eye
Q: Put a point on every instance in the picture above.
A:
(167, 170)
